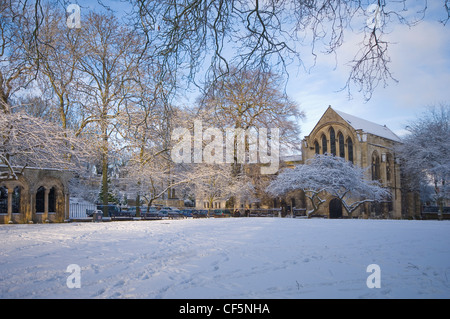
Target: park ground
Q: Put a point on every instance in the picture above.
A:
(251, 258)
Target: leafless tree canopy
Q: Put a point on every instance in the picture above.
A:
(253, 99)
(269, 35)
(199, 40)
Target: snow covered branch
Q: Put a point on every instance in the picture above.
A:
(26, 141)
(332, 175)
(425, 153)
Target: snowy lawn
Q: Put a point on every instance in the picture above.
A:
(227, 258)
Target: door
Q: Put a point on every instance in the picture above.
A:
(335, 208)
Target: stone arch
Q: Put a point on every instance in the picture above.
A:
(39, 203)
(49, 201)
(13, 204)
(17, 200)
(52, 200)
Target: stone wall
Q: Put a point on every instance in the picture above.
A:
(38, 196)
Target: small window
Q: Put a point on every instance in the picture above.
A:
(341, 145)
(388, 167)
(324, 144)
(316, 147)
(375, 166)
(40, 200)
(350, 149)
(52, 200)
(332, 142)
(3, 200)
(16, 200)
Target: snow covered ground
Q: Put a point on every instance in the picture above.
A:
(227, 258)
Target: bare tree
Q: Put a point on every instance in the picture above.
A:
(249, 99)
(108, 55)
(58, 63)
(17, 41)
(269, 35)
(189, 38)
(217, 182)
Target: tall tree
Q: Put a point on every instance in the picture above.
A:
(425, 153)
(109, 56)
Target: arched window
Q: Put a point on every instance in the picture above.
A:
(341, 145)
(16, 200)
(40, 200)
(350, 149)
(52, 200)
(324, 144)
(375, 166)
(316, 147)
(388, 167)
(332, 142)
(3, 200)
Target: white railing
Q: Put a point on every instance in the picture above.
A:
(77, 210)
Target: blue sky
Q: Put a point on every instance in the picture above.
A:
(420, 61)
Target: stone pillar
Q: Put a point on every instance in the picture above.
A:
(31, 212)
(66, 207)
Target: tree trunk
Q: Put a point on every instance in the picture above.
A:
(105, 184)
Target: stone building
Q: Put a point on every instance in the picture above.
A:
(367, 145)
(38, 196)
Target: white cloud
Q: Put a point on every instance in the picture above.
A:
(420, 62)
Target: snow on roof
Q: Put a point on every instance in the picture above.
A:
(367, 126)
(292, 158)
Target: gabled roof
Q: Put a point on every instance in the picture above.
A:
(367, 126)
(360, 124)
